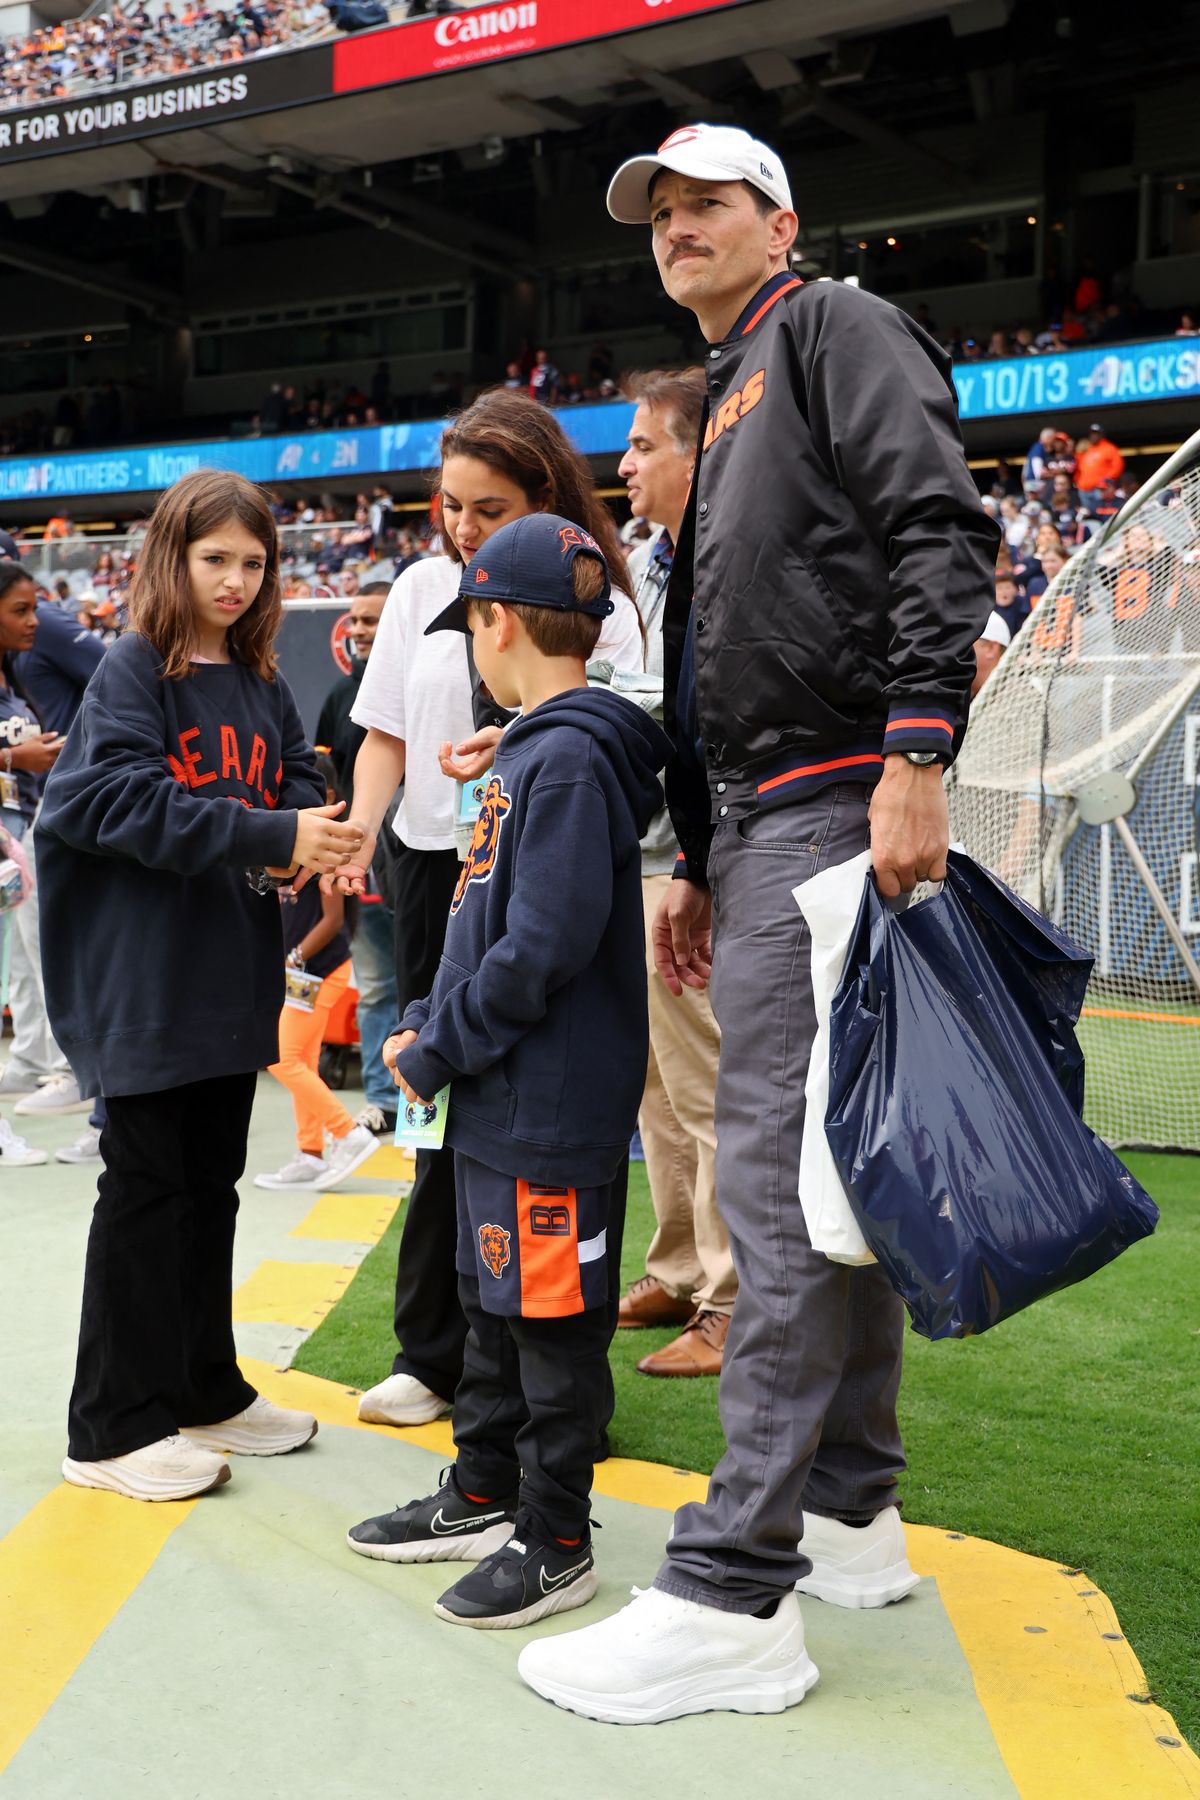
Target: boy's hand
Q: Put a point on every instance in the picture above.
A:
(682, 936)
(473, 757)
(391, 1050)
(323, 841)
(351, 877)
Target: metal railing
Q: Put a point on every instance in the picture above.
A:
(75, 558)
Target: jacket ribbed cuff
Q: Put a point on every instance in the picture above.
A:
(916, 725)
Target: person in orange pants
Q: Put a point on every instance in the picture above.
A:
(317, 942)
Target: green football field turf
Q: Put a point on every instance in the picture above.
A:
(1070, 1432)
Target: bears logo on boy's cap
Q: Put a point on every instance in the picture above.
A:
(530, 563)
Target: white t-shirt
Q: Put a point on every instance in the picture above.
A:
(419, 688)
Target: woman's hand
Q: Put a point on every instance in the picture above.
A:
(391, 1050)
(38, 754)
(323, 841)
(473, 757)
(350, 875)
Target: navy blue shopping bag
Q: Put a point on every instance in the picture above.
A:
(955, 1101)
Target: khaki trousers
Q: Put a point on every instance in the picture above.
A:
(689, 1255)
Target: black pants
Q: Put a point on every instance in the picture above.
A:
(430, 1326)
(156, 1344)
(535, 1397)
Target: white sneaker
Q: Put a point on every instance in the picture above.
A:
(304, 1171)
(86, 1148)
(663, 1657)
(402, 1400)
(349, 1153)
(15, 1153)
(171, 1469)
(262, 1430)
(376, 1120)
(857, 1567)
(58, 1095)
(12, 1083)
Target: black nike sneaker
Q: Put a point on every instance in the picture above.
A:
(520, 1583)
(444, 1527)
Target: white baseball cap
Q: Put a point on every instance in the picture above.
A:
(996, 631)
(706, 153)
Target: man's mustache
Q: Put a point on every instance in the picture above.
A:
(686, 250)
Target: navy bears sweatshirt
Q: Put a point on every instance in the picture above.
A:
(161, 965)
(538, 1012)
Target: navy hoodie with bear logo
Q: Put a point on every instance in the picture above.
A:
(537, 1017)
(161, 965)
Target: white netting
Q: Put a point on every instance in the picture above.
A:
(1103, 681)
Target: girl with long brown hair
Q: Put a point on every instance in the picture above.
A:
(185, 791)
(503, 457)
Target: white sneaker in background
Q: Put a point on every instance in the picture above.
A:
(12, 1083)
(261, 1430)
(377, 1122)
(171, 1469)
(15, 1153)
(857, 1566)
(58, 1095)
(402, 1400)
(348, 1153)
(85, 1149)
(304, 1171)
(663, 1657)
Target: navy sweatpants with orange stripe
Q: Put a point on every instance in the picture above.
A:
(538, 1280)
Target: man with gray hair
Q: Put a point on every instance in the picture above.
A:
(689, 1277)
(832, 573)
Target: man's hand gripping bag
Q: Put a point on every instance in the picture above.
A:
(955, 1102)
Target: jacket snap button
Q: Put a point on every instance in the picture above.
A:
(713, 355)
(703, 508)
(699, 626)
(721, 811)
(721, 786)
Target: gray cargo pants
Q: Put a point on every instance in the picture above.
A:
(812, 1360)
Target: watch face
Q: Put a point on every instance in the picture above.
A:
(922, 758)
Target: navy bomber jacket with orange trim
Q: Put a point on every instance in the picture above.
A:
(834, 567)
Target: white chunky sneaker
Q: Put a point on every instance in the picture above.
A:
(662, 1657)
(857, 1567)
(348, 1153)
(85, 1149)
(262, 1430)
(58, 1095)
(15, 1153)
(13, 1083)
(304, 1171)
(171, 1469)
(402, 1400)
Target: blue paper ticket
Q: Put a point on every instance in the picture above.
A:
(421, 1124)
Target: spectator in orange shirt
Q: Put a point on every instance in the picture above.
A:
(1100, 462)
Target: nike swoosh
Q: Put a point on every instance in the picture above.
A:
(558, 1580)
(443, 1527)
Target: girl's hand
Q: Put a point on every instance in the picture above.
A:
(38, 754)
(391, 1050)
(350, 877)
(323, 841)
(473, 757)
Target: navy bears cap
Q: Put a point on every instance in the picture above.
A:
(529, 563)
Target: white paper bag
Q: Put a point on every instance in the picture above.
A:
(830, 903)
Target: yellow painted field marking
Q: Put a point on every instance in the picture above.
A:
(66, 1570)
(286, 1293)
(1053, 1685)
(390, 1163)
(348, 1218)
(1054, 1697)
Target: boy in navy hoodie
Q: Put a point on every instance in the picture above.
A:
(537, 1020)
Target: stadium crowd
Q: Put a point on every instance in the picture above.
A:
(132, 44)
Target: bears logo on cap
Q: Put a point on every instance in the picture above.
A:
(572, 537)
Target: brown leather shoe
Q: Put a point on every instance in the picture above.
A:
(698, 1350)
(648, 1303)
